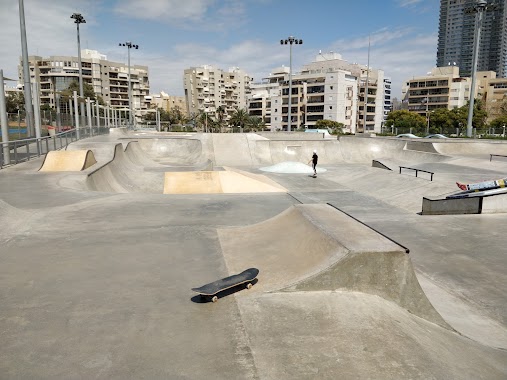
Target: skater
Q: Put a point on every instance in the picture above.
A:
(486, 185)
(314, 161)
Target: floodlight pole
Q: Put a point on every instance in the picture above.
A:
(79, 19)
(129, 46)
(290, 40)
(27, 88)
(480, 7)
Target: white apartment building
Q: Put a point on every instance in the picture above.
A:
(388, 104)
(109, 79)
(327, 89)
(207, 88)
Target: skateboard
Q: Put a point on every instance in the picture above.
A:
(213, 288)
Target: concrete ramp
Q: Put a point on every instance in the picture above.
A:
(213, 182)
(316, 247)
(65, 161)
(121, 175)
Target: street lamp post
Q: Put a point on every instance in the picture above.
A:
(129, 46)
(427, 114)
(79, 19)
(27, 89)
(480, 7)
(290, 40)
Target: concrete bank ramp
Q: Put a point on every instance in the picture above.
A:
(121, 175)
(177, 150)
(352, 335)
(366, 149)
(469, 147)
(316, 247)
(65, 161)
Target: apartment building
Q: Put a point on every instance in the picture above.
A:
(388, 101)
(456, 37)
(207, 88)
(327, 89)
(495, 95)
(108, 79)
(166, 102)
(443, 87)
(265, 99)
(353, 80)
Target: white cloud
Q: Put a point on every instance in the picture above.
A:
(49, 30)
(166, 72)
(409, 3)
(169, 10)
(399, 53)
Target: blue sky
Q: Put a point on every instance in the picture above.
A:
(177, 34)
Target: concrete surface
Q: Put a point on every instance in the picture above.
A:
(96, 267)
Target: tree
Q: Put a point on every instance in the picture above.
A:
(239, 118)
(15, 101)
(220, 117)
(333, 126)
(88, 92)
(256, 123)
(405, 120)
(478, 120)
(499, 122)
(442, 120)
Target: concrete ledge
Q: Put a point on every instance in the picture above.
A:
(439, 206)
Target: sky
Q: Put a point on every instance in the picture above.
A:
(174, 35)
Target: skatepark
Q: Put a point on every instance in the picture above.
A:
(367, 271)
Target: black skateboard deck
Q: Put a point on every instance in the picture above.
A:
(213, 288)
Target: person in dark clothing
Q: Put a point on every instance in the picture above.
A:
(314, 161)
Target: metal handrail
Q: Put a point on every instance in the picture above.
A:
(27, 149)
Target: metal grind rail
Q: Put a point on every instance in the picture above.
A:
(417, 171)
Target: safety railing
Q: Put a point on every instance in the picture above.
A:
(14, 152)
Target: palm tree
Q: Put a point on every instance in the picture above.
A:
(220, 117)
(240, 118)
(256, 123)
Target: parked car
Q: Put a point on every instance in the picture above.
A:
(436, 136)
(409, 135)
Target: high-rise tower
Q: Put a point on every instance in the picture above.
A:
(456, 37)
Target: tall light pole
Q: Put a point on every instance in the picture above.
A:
(27, 87)
(427, 114)
(480, 7)
(79, 19)
(366, 88)
(290, 40)
(129, 46)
